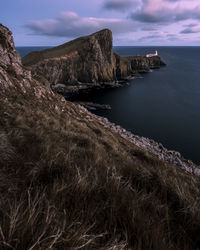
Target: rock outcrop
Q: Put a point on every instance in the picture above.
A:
(144, 64)
(87, 60)
(85, 63)
(10, 62)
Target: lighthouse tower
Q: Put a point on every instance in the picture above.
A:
(151, 55)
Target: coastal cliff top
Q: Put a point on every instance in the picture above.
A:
(69, 182)
(103, 37)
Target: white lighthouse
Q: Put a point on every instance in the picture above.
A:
(151, 55)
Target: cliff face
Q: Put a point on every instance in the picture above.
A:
(10, 62)
(86, 60)
(143, 64)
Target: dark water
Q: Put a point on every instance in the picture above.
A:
(163, 105)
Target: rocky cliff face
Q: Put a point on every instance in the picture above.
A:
(86, 60)
(144, 64)
(10, 62)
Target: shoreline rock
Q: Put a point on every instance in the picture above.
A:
(156, 148)
(73, 91)
(170, 156)
(94, 106)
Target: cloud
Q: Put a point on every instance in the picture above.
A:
(156, 11)
(150, 37)
(190, 30)
(150, 28)
(69, 24)
(172, 37)
(190, 25)
(166, 11)
(118, 5)
(159, 38)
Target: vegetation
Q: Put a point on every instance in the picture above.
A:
(67, 182)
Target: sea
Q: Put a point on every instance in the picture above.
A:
(163, 105)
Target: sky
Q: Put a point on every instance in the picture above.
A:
(133, 22)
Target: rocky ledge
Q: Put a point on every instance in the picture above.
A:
(85, 64)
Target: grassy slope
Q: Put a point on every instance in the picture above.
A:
(69, 183)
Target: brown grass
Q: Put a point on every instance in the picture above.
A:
(69, 183)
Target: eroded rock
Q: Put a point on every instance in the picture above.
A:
(86, 63)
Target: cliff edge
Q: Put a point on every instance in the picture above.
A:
(69, 181)
(88, 61)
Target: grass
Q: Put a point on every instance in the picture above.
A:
(67, 182)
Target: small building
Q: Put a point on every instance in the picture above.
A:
(151, 55)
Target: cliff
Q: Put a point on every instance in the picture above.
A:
(144, 64)
(87, 61)
(69, 180)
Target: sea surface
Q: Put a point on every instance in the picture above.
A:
(163, 105)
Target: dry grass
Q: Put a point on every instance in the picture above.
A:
(67, 183)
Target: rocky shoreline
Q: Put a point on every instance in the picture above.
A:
(151, 146)
(94, 106)
(74, 91)
(169, 156)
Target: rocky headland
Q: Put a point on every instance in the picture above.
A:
(85, 64)
(72, 180)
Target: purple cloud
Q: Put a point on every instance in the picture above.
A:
(190, 25)
(164, 13)
(150, 28)
(157, 11)
(69, 24)
(118, 5)
(190, 30)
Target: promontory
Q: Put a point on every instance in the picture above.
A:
(86, 63)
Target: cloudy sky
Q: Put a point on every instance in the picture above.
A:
(133, 22)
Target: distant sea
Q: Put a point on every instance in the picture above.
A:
(163, 105)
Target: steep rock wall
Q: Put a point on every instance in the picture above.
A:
(88, 60)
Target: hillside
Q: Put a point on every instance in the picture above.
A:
(69, 182)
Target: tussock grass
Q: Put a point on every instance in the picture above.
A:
(69, 183)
